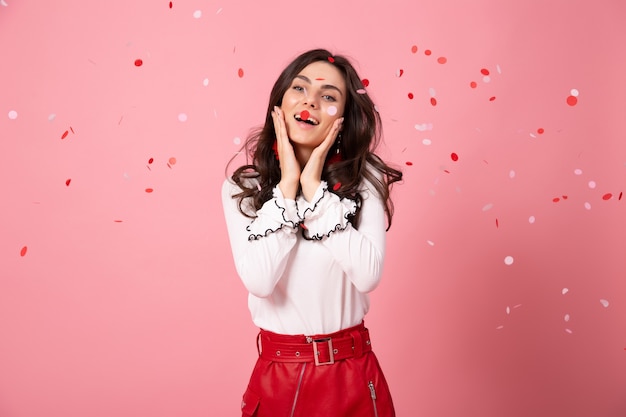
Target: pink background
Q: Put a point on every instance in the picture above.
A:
(119, 302)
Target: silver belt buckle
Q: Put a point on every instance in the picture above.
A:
(316, 352)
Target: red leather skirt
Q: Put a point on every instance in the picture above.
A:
(335, 375)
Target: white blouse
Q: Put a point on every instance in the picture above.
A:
(311, 286)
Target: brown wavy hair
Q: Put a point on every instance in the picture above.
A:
(360, 136)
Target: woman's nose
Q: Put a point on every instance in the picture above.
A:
(310, 101)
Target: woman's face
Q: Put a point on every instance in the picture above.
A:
(313, 101)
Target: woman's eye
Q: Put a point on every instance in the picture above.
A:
(329, 98)
(298, 88)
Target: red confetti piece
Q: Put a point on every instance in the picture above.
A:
(64, 135)
(446, 171)
(410, 95)
(172, 161)
(564, 197)
(409, 163)
(151, 160)
(556, 199)
(72, 129)
(454, 156)
(331, 59)
(118, 221)
(414, 49)
(170, 4)
(240, 72)
(400, 72)
(607, 196)
(492, 98)
(67, 182)
(473, 84)
(433, 101)
(149, 190)
(572, 101)
(620, 196)
(23, 251)
(337, 186)
(484, 71)
(304, 114)
(427, 52)
(138, 62)
(540, 130)
(497, 224)
(365, 82)
(442, 60)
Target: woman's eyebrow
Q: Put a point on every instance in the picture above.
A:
(324, 87)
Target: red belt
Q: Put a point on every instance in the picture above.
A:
(321, 349)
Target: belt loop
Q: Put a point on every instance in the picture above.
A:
(358, 343)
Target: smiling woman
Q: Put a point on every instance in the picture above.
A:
(306, 222)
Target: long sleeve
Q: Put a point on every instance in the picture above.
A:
(260, 246)
(359, 252)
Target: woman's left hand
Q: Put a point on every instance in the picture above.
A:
(311, 175)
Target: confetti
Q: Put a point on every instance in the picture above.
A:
(578, 171)
(117, 221)
(240, 72)
(197, 14)
(564, 291)
(64, 135)
(237, 140)
(568, 331)
(511, 174)
(433, 101)
(500, 327)
(566, 318)
(182, 117)
(607, 196)
(51, 117)
(473, 84)
(304, 115)
(424, 126)
(574, 92)
(497, 224)
(454, 156)
(556, 199)
(427, 52)
(484, 71)
(531, 219)
(170, 162)
(149, 190)
(442, 60)
(588, 205)
(205, 82)
(604, 303)
(620, 195)
(361, 91)
(432, 92)
(414, 49)
(365, 82)
(399, 73)
(509, 260)
(426, 142)
(508, 310)
(486, 79)
(540, 130)
(67, 182)
(332, 110)
(138, 62)
(336, 186)
(492, 98)
(23, 251)
(488, 207)
(331, 59)
(572, 100)
(410, 95)
(12, 114)
(151, 160)
(170, 4)
(592, 184)
(430, 242)
(409, 163)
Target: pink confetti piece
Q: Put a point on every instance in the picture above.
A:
(564, 291)
(23, 251)
(138, 62)
(67, 182)
(304, 114)
(620, 196)
(442, 60)
(332, 110)
(361, 91)
(607, 196)
(410, 96)
(509, 260)
(149, 190)
(414, 49)
(12, 114)
(240, 72)
(604, 303)
(454, 156)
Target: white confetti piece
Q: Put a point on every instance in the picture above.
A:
(574, 92)
(564, 291)
(427, 142)
(498, 69)
(237, 140)
(488, 206)
(219, 11)
(604, 303)
(332, 110)
(51, 117)
(205, 82)
(486, 79)
(12, 114)
(568, 331)
(432, 92)
(592, 184)
(424, 126)
(587, 205)
(4, 3)
(500, 327)
(511, 174)
(508, 310)
(566, 317)
(430, 242)
(182, 117)
(578, 171)
(197, 14)
(508, 260)
(531, 219)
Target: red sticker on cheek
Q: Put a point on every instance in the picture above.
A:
(304, 115)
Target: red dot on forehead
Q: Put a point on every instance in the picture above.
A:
(320, 79)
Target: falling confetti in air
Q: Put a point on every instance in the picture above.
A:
(240, 72)
(64, 135)
(426, 142)
(566, 318)
(182, 117)
(414, 49)
(399, 72)
(23, 251)
(572, 100)
(492, 98)
(511, 174)
(607, 196)
(540, 130)
(578, 171)
(67, 182)
(205, 82)
(197, 14)
(433, 101)
(604, 303)
(138, 62)
(410, 95)
(361, 91)
(442, 60)
(331, 59)
(428, 52)
(365, 82)
(409, 163)
(592, 184)
(531, 219)
(171, 162)
(237, 140)
(171, 5)
(151, 160)
(508, 260)
(484, 71)
(564, 291)
(488, 206)
(473, 84)
(588, 205)
(12, 114)
(149, 190)
(454, 156)
(430, 243)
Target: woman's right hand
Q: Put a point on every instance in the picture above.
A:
(289, 166)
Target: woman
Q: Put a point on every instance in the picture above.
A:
(307, 221)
